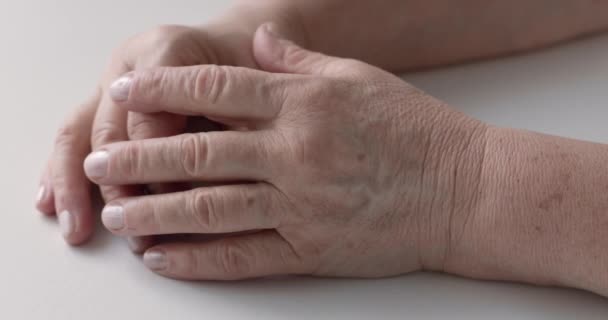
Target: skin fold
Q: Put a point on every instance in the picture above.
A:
(345, 169)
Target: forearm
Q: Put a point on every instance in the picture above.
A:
(542, 214)
(399, 35)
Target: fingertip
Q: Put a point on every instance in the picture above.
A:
(139, 245)
(75, 213)
(156, 260)
(45, 203)
(96, 165)
(275, 52)
(76, 229)
(120, 89)
(266, 47)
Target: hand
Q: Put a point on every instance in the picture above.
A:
(64, 187)
(345, 169)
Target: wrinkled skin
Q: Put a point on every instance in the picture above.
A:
(65, 191)
(349, 168)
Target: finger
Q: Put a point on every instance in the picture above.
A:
(153, 125)
(218, 92)
(45, 198)
(111, 126)
(70, 186)
(276, 54)
(140, 244)
(156, 125)
(255, 255)
(220, 209)
(210, 156)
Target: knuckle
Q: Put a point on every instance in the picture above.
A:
(210, 83)
(141, 127)
(166, 43)
(204, 208)
(68, 192)
(294, 55)
(232, 259)
(66, 136)
(61, 183)
(156, 220)
(191, 264)
(104, 133)
(151, 85)
(129, 160)
(193, 154)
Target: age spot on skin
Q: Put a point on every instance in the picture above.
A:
(250, 202)
(553, 200)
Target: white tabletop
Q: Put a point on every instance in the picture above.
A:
(52, 54)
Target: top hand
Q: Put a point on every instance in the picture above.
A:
(357, 173)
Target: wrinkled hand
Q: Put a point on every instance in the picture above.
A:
(65, 190)
(343, 169)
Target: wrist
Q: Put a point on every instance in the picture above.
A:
(540, 216)
(450, 185)
(246, 16)
(490, 248)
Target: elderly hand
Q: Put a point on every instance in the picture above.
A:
(341, 169)
(65, 190)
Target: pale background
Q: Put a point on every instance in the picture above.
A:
(52, 53)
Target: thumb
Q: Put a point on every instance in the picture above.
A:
(274, 53)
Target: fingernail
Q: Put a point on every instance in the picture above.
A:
(119, 89)
(96, 164)
(272, 29)
(41, 194)
(136, 244)
(113, 217)
(66, 223)
(155, 260)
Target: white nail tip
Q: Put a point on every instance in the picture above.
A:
(40, 194)
(119, 89)
(66, 223)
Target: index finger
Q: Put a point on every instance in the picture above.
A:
(218, 92)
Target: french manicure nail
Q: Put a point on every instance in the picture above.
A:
(96, 164)
(155, 260)
(119, 89)
(113, 217)
(41, 193)
(66, 223)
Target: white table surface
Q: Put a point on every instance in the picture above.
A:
(52, 54)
